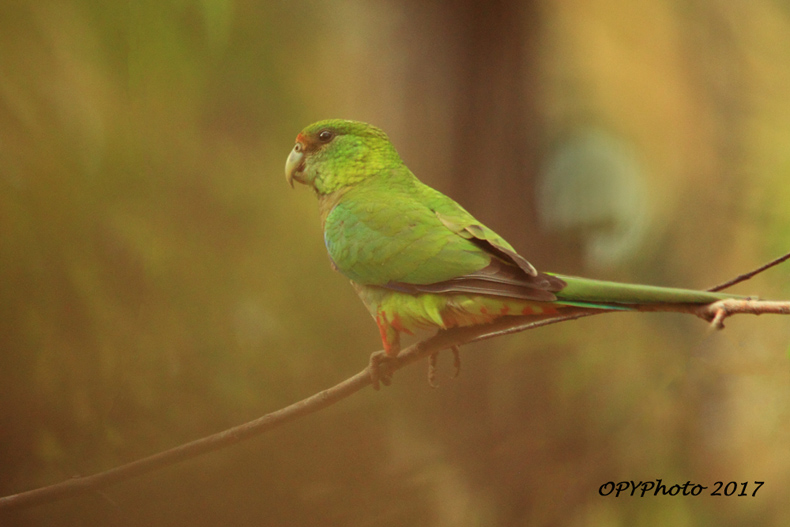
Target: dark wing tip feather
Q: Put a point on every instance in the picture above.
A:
(505, 254)
(477, 234)
(497, 279)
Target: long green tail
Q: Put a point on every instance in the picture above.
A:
(585, 292)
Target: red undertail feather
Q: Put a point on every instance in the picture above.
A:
(398, 325)
(390, 333)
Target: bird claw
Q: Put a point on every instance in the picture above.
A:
(432, 369)
(380, 373)
(432, 366)
(456, 361)
(375, 368)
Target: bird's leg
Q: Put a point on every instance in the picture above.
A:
(390, 337)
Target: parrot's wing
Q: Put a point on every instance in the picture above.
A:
(427, 246)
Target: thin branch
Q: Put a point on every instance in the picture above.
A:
(554, 319)
(750, 274)
(714, 313)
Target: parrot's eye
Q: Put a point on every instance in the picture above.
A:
(325, 136)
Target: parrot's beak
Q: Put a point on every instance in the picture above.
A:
(294, 164)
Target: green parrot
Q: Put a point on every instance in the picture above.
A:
(417, 259)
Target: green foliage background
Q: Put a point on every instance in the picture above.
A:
(160, 282)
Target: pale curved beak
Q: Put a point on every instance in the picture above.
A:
(294, 163)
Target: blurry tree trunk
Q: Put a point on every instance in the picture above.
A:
(495, 126)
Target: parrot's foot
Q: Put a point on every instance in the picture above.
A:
(432, 366)
(432, 369)
(456, 361)
(374, 367)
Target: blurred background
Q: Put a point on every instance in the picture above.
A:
(160, 281)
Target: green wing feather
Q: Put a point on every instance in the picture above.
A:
(379, 234)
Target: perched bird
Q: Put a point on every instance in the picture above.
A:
(417, 259)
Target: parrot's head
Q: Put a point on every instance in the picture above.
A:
(334, 154)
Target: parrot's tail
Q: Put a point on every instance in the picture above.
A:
(584, 292)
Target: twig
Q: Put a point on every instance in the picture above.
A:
(750, 274)
(718, 311)
(554, 319)
(715, 313)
